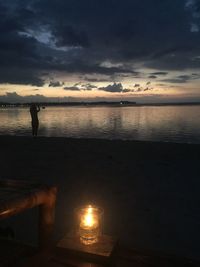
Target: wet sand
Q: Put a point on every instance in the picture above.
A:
(150, 192)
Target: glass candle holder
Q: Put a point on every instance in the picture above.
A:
(89, 224)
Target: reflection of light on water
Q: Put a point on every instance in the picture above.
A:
(169, 123)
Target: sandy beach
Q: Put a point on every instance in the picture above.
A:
(149, 191)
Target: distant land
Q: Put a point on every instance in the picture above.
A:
(100, 103)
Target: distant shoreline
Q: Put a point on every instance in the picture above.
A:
(99, 104)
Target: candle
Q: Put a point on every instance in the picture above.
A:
(89, 224)
(89, 219)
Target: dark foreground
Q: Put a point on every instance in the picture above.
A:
(149, 191)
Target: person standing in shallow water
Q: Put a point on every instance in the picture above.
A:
(34, 109)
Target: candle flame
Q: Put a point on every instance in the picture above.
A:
(88, 218)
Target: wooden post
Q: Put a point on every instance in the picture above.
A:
(46, 219)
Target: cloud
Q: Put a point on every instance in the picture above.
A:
(127, 91)
(161, 84)
(13, 97)
(112, 88)
(13, 75)
(152, 77)
(195, 76)
(88, 86)
(78, 84)
(78, 37)
(194, 7)
(68, 35)
(159, 73)
(72, 88)
(80, 87)
(55, 84)
(118, 88)
(91, 79)
(179, 79)
(194, 28)
(182, 78)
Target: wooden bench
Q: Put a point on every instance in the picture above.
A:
(17, 196)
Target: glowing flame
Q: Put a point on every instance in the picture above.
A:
(89, 218)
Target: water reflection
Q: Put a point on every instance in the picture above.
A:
(171, 123)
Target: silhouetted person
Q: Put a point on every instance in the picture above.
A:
(34, 116)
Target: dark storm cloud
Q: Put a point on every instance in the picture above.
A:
(69, 36)
(78, 36)
(13, 75)
(193, 6)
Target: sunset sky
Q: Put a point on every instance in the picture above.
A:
(93, 50)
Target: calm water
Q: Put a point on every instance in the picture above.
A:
(169, 123)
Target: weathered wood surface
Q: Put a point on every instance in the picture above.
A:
(17, 196)
(101, 251)
(123, 257)
(137, 258)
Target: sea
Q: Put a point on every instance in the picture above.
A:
(180, 124)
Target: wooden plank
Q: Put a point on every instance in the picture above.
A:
(123, 257)
(100, 252)
(138, 258)
(18, 196)
(42, 260)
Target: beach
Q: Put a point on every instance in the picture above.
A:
(149, 190)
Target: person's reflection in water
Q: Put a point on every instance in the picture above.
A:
(34, 109)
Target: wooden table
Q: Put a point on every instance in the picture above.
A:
(123, 257)
(17, 196)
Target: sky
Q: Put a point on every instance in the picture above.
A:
(100, 50)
